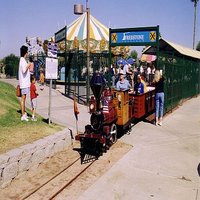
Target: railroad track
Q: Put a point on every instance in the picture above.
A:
(59, 182)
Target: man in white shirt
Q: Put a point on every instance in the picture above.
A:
(126, 69)
(24, 79)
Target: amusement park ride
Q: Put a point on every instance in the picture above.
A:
(112, 113)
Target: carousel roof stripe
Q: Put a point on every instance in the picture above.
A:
(81, 29)
(102, 30)
(73, 28)
(92, 32)
(78, 29)
(105, 29)
(98, 31)
(95, 32)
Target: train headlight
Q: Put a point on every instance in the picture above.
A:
(91, 106)
(119, 100)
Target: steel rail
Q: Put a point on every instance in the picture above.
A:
(45, 183)
(71, 181)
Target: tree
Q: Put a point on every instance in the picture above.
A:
(11, 63)
(198, 46)
(195, 12)
(134, 54)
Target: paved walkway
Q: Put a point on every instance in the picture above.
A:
(162, 165)
(62, 108)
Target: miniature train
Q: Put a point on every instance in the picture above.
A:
(112, 113)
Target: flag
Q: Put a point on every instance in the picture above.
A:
(76, 112)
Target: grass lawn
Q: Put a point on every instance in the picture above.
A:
(14, 132)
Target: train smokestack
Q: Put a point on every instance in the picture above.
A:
(97, 85)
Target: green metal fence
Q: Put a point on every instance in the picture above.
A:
(182, 78)
(76, 72)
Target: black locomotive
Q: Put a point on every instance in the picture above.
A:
(112, 113)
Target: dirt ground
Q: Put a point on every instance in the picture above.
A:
(29, 181)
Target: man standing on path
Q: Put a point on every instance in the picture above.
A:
(24, 79)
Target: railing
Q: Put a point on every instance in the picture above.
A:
(182, 79)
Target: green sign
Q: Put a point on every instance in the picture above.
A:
(60, 35)
(134, 36)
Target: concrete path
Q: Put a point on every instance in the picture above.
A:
(162, 165)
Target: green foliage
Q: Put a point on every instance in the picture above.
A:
(198, 46)
(8, 105)
(134, 54)
(11, 65)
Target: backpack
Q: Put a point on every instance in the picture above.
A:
(18, 91)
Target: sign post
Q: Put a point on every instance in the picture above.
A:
(49, 109)
(51, 73)
(52, 63)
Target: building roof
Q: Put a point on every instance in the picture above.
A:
(168, 46)
(78, 29)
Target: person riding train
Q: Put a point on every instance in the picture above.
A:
(123, 84)
(139, 86)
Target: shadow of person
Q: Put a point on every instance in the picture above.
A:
(198, 169)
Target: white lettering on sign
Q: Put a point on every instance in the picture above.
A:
(52, 49)
(60, 35)
(132, 37)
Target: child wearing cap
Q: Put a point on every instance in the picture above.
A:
(122, 84)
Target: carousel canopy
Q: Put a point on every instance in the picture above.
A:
(78, 29)
(99, 37)
(77, 35)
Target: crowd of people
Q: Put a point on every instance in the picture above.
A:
(137, 76)
(125, 76)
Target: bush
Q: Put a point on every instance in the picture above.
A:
(11, 65)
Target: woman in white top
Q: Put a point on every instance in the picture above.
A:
(24, 79)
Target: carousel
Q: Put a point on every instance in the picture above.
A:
(99, 37)
(72, 54)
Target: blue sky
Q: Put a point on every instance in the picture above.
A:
(21, 18)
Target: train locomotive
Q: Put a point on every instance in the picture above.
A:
(112, 114)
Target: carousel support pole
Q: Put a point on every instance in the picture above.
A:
(88, 55)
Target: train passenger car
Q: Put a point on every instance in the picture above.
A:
(131, 107)
(112, 113)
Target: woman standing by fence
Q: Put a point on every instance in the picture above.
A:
(158, 82)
